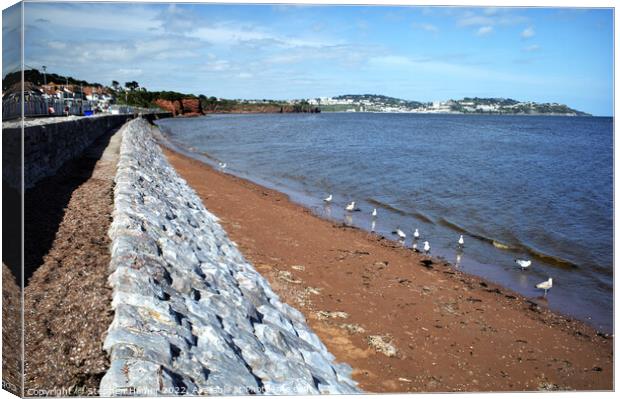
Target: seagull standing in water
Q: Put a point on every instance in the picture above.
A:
(374, 213)
(350, 207)
(524, 263)
(427, 247)
(401, 234)
(222, 165)
(461, 241)
(545, 285)
(416, 234)
(328, 199)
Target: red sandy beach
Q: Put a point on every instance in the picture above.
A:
(404, 322)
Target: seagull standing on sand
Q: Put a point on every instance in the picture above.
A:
(461, 241)
(545, 285)
(350, 207)
(374, 213)
(329, 199)
(416, 234)
(523, 263)
(427, 247)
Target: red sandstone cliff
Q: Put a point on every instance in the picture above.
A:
(174, 106)
(184, 106)
(193, 107)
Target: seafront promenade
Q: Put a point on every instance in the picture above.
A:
(133, 287)
(191, 314)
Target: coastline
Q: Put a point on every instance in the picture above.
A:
(490, 249)
(424, 326)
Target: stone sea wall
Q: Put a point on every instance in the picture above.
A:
(48, 144)
(191, 314)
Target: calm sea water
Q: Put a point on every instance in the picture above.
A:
(514, 186)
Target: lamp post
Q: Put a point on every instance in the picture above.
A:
(47, 108)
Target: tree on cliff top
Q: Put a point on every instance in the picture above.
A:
(133, 85)
(35, 77)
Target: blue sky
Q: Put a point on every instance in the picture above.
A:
(417, 53)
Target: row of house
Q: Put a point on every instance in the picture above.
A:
(55, 99)
(97, 96)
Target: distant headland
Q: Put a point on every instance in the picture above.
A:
(467, 105)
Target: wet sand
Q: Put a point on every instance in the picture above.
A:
(403, 321)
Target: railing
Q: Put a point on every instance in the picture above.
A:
(38, 106)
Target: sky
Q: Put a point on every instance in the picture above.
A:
(560, 55)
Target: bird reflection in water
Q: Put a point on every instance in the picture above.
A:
(523, 280)
(459, 258)
(348, 220)
(328, 210)
(373, 226)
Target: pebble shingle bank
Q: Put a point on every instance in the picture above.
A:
(191, 314)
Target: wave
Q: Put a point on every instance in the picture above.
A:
(513, 247)
(550, 259)
(416, 214)
(446, 223)
(501, 245)
(167, 139)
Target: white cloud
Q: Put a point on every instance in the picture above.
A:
(484, 31)
(393, 61)
(232, 33)
(112, 52)
(134, 18)
(426, 26)
(129, 72)
(57, 45)
(474, 20)
(490, 17)
(217, 65)
(528, 32)
(531, 48)
(452, 70)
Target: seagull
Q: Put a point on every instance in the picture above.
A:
(461, 241)
(416, 234)
(545, 285)
(415, 247)
(374, 213)
(350, 207)
(427, 247)
(524, 263)
(328, 199)
(401, 234)
(222, 165)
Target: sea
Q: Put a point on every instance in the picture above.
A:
(532, 187)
